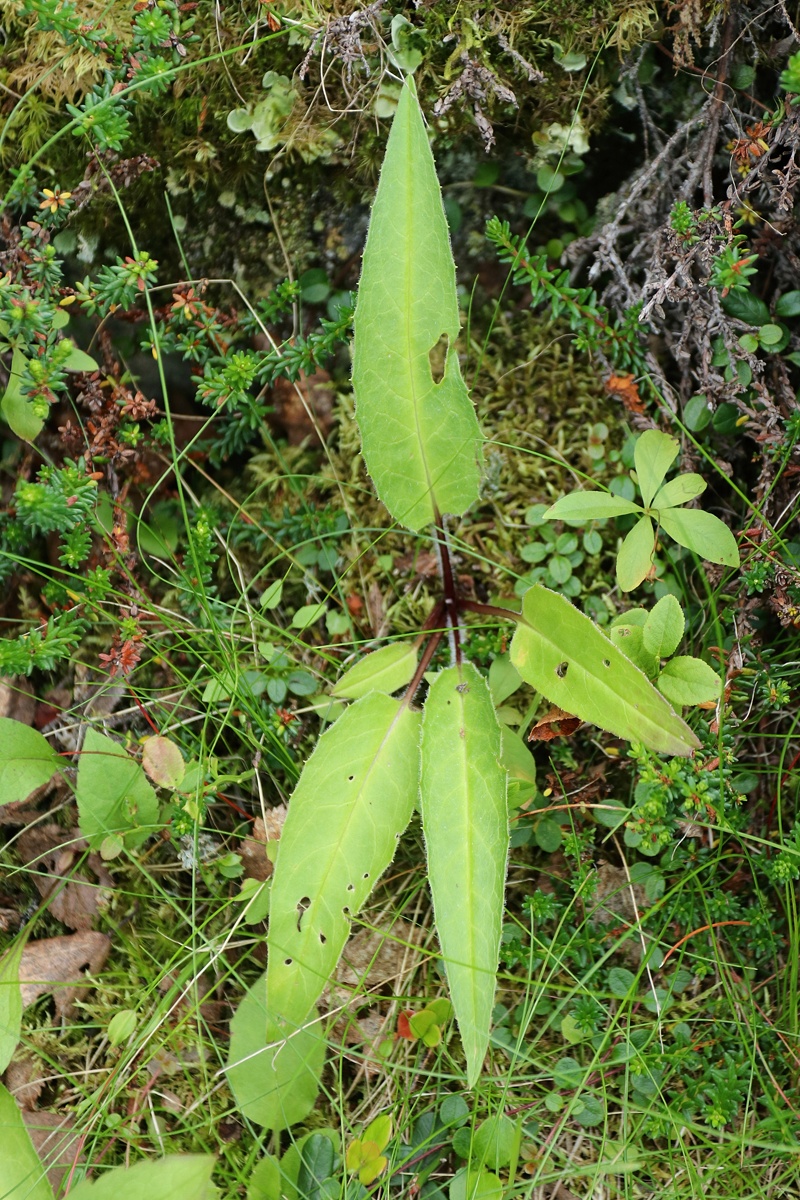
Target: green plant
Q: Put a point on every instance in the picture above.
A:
(357, 791)
(662, 508)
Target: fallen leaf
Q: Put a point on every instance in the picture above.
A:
(55, 965)
(304, 409)
(625, 387)
(163, 762)
(56, 1141)
(53, 852)
(253, 849)
(555, 723)
(25, 1078)
(17, 699)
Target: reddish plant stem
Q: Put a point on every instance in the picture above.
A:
(451, 599)
(489, 610)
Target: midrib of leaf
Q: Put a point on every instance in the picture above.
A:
(410, 291)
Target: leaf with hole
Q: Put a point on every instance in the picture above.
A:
(421, 439)
(27, 760)
(353, 800)
(558, 651)
(385, 670)
(465, 821)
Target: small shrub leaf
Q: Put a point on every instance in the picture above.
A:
(163, 762)
(703, 533)
(688, 680)
(635, 557)
(663, 629)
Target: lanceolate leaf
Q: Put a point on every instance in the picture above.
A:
(353, 800)
(563, 655)
(421, 439)
(635, 556)
(590, 506)
(465, 820)
(384, 670)
(10, 1002)
(703, 533)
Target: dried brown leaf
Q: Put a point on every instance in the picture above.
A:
(53, 851)
(56, 1141)
(55, 965)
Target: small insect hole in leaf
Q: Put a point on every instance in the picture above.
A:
(350, 778)
(302, 905)
(561, 670)
(287, 962)
(322, 939)
(606, 662)
(365, 875)
(351, 887)
(437, 357)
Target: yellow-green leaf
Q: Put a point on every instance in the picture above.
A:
(558, 650)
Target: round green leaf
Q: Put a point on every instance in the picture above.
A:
(273, 1071)
(696, 413)
(475, 1185)
(308, 615)
(770, 335)
(495, 1142)
(27, 760)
